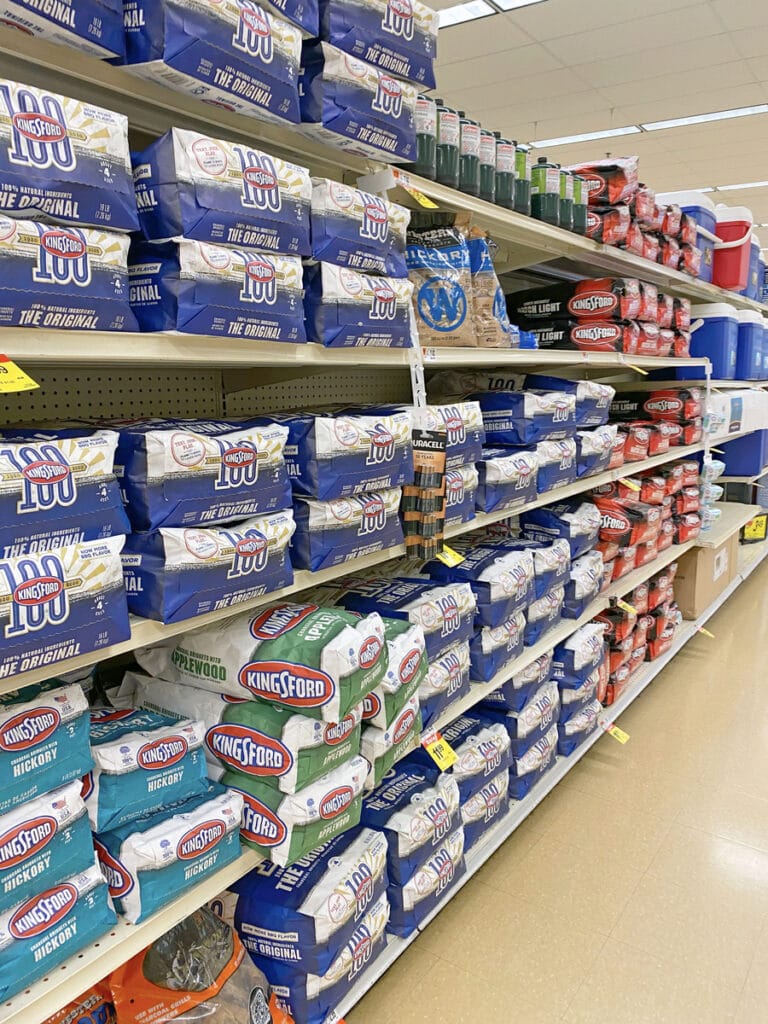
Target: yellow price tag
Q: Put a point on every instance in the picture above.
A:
(420, 198)
(631, 484)
(706, 632)
(617, 733)
(755, 528)
(637, 369)
(626, 606)
(450, 557)
(440, 750)
(13, 378)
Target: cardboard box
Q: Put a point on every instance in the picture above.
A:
(703, 574)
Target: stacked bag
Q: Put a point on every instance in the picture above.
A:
(658, 420)
(605, 315)
(579, 663)
(53, 898)
(624, 212)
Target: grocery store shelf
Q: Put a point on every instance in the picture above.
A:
(750, 556)
(520, 810)
(476, 357)
(743, 479)
(94, 962)
(580, 486)
(30, 346)
(733, 516)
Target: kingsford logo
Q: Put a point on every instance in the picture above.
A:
(280, 620)
(601, 332)
(593, 302)
(298, 686)
(260, 177)
(403, 726)
(200, 840)
(398, 19)
(119, 881)
(237, 457)
(382, 445)
(370, 651)
(39, 128)
(450, 612)
(247, 750)
(455, 429)
(594, 182)
(38, 591)
(337, 732)
(611, 521)
(45, 472)
(383, 292)
(371, 706)
(255, 21)
(260, 271)
(375, 212)
(409, 666)
(42, 912)
(162, 753)
(63, 244)
(337, 801)
(250, 546)
(25, 840)
(664, 405)
(260, 824)
(29, 728)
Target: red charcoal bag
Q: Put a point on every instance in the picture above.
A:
(647, 552)
(644, 205)
(651, 247)
(627, 522)
(690, 260)
(617, 683)
(689, 230)
(619, 624)
(639, 599)
(609, 181)
(665, 317)
(688, 500)
(666, 535)
(690, 472)
(687, 527)
(608, 224)
(636, 443)
(624, 562)
(672, 220)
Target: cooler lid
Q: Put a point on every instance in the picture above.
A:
(689, 198)
(750, 316)
(710, 310)
(733, 213)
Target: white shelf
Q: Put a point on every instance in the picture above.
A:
(30, 346)
(94, 962)
(476, 357)
(733, 516)
(743, 479)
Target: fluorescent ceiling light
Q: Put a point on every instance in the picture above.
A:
(512, 5)
(566, 140)
(744, 184)
(460, 13)
(718, 115)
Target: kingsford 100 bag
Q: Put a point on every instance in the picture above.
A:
(347, 309)
(320, 662)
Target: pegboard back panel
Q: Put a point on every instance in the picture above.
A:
(357, 387)
(81, 394)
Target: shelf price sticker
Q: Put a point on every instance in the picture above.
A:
(450, 557)
(404, 181)
(618, 734)
(13, 378)
(631, 484)
(334, 1018)
(706, 632)
(626, 606)
(440, 750)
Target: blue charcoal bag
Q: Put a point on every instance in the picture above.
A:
(222, 192)
(527, 769)
(501, 580)
(303, 915)
(142, 761)
(174, 574)
(357, 106)
(398, 36)
(199, 288)
(94, 26)
(235, 54)
(574, 520)
(492, 648)
(460, 494)
(329, 533)
(412, 901)
(39, 934)
(483, 810)
(507, 478)
(579, 655)
(576, 730)
(64, 161)
(526, 417)
(515, 693)
(201, 472)
(584, 584)
(357, 229)
(63, 278)
(153, 860)
(60, 604)
(543, 615)
(557, 464)
(551, 559)
(58, 487)
(594, 449)
(482, 744)
(346, 309)
(593, 400)
(447, 681)
(42, 843)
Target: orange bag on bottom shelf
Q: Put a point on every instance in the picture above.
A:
(198, 969)
(93, 1007)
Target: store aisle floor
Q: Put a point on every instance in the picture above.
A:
(638, 890)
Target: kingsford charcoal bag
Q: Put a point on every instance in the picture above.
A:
(529, 767)
(173, 574)
(200, 473)
(398, 36)
(483, 809)
(94, 26)
(43, 842)
(251, 738)
(593, 400)
(61, 603)
(358, 230)
(153, 860)
(515, 417)
(447, 681)
(407, 667)
(513, 695)
(460, 494)
(63, 278)
(492, 648)
(142, 760)
(329, 533)
(304, 914)
(346, 309)
(63, 161)
(284, 827)
(57, 488)
(222, 192)
(461, 423)
(482, 745)
(419, 895)
(382, 748)
(233, 53)
(338, 454)
(502, 582)
(198, 288)
(507, 478)
(355, 105)
(319, 662)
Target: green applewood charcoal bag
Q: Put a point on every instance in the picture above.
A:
(320, 662)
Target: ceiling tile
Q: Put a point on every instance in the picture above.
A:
(688, 106)
(676, 84)
(478, 38)
(751, 42)
(741, 14)
(568, 17)
(497, 67)
(635, 67)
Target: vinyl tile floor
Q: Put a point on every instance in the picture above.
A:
(637, 892)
